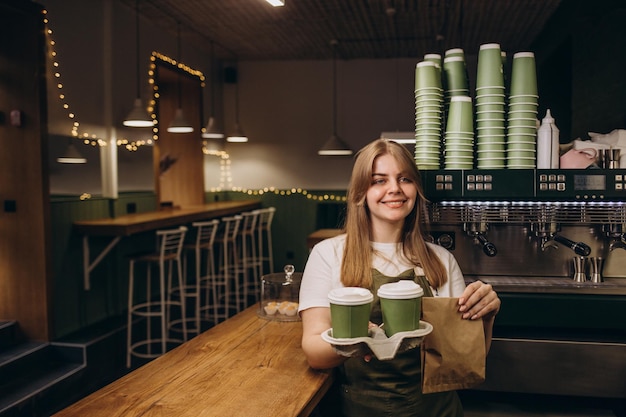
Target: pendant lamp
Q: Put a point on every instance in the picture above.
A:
(237, 134)
(334, 146)
(211, 131)
(71, 155)
(179, 124)
(138, 116)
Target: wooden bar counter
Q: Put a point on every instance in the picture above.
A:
(130, 224)
(170, 217)
(245, 366)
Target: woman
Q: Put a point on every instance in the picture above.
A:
(383, 242)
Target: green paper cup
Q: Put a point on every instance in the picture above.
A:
(455, 73)
(350, 309)
(523, 74)
(489, 72)
(401, 304)
(427, 75)
(460, 115)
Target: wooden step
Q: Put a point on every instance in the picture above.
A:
(31, 373)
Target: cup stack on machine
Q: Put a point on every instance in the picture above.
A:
(428, 114)
(522, 117)
(490, 108)
(459, 125)
(452, 131)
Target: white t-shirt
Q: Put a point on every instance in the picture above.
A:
(323, 270)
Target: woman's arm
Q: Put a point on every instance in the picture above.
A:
(319, 354)
(479, 300)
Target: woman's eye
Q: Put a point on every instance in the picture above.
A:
(404, 179)
(378, 181)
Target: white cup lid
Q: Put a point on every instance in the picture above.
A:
(350, 296)
(400, 290)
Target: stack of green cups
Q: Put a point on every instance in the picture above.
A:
(428, 115)
(459, 134)
(522, 113)
(490, 109)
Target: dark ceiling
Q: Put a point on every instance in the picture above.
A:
(364, 29)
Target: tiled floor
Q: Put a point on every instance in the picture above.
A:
(479, 404)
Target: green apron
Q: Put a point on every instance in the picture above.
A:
(392, 387)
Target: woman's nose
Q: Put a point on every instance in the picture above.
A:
(394, 186)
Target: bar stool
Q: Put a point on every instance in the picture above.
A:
(169, 248)
(204, 273)
(250, 263)
(264, 236)
(229, 267)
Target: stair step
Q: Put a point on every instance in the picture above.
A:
(28, 369)
(8, 334)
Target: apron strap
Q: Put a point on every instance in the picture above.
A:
(423, 282)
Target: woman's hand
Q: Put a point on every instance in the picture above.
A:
(479, 300)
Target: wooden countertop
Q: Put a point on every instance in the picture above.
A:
(172, 217)
(245, 366)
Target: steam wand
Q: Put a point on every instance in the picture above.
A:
(579, 248)
(488, 247)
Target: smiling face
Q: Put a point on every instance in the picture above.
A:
(390, 198)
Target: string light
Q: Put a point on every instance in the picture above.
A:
(155, 87)
(92, 139)
(286, 193)
(87, 138)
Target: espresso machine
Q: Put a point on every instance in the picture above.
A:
(528, 223)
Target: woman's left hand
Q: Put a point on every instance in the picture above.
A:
(479, 300)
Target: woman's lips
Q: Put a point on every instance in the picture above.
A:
(394, 203)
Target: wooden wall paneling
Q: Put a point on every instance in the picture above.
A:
(182, 182)
(25, 260)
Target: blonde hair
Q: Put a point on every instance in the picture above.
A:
(356, 268)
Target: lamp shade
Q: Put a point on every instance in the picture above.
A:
(211, 131)
(179, 124)
(334, 146)
(237, 135)
(276, 3)
(138, 116)
(72, 156)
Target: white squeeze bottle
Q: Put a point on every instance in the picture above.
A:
(548, 143)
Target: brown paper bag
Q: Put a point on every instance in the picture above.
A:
(453, 354)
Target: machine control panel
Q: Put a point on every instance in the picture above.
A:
(582, 185)
(513, 184)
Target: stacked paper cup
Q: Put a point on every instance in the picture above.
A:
(522, 113)
(428, 115)
(455, 78)
(490, 109)
(459, 134)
